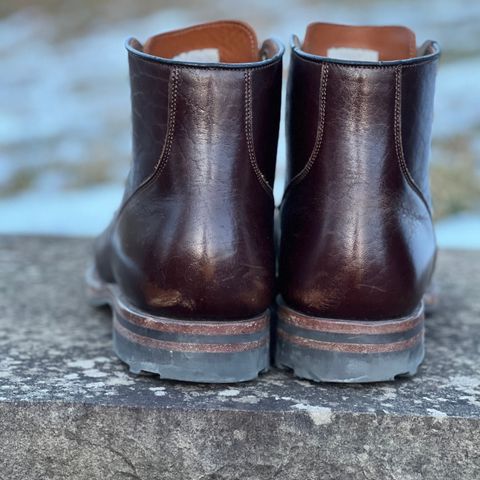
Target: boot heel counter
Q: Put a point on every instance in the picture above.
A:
(166, 262)
(372, 265)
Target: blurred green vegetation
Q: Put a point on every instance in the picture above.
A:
(454, 177)
(72, 176)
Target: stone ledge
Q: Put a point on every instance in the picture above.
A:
(70, 409)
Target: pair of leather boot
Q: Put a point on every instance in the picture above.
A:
(199, 287)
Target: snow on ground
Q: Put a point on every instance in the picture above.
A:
(64, 102)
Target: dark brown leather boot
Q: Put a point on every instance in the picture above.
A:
(188, 262)
(357, 242)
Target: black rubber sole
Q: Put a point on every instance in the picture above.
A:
(349, 351)
(187, 350)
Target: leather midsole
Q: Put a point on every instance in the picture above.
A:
(351, 336)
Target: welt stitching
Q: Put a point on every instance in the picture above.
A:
(249, 133)
(398, 139)
(164, 155)
(320, 130)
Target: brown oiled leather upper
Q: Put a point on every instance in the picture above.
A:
(194, 235)
(357, 240)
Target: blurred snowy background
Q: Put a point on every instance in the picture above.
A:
(64, 100)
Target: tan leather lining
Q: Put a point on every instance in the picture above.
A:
(391, 42)
(236, 41)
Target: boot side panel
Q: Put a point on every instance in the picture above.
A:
(302, 112)
(417, 96)
(149, 84)
(265, 90)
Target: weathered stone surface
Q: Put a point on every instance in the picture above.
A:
(70, 409)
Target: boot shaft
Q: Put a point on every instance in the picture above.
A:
(194, 235)
(357, 236)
